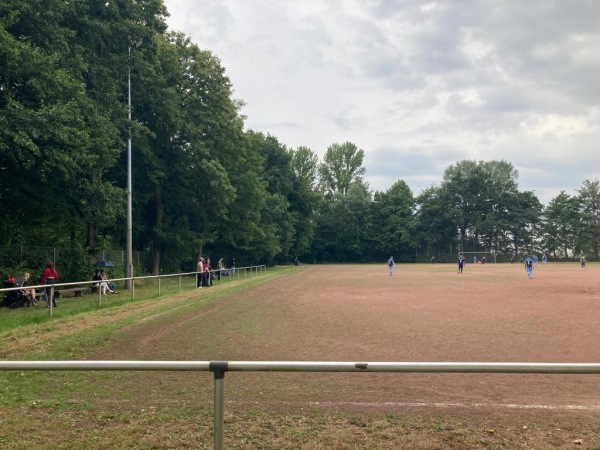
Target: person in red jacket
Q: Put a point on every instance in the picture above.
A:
(49, 277)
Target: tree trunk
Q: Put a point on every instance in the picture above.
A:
(92, 236)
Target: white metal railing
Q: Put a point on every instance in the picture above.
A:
(248, 271)
(219, 368)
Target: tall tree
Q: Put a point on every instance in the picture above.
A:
(394, 222)
(194, 145)
(461, 189)
(524, 220)
(304, 198)
(560, 219)
(341, 166)
(343, 225)
(589, 214)
(435, 229)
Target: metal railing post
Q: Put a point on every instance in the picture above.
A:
(159, 285)
(219, 368)
(51, 300)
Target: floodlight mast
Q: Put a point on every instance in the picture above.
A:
(129, 237)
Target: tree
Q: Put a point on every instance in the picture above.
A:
(560, 219)
(435, 229)
(394, 222)
(589, 215)
(304, 198)
(194, 144)
(343, 222)
(277, 223)
(523, 220)
(462, 191)
(341, 167)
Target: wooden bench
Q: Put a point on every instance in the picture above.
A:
(70, 292)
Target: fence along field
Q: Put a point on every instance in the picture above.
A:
(352, 313)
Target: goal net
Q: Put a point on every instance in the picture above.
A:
(478, 257)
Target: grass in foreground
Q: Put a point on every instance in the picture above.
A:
(178, 427)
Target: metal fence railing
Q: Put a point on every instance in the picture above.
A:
(237, 272)
(219, 368)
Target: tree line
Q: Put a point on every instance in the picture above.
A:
(202, 184)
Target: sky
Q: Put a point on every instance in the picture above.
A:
(417, 85)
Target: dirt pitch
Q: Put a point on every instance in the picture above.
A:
(490, 313)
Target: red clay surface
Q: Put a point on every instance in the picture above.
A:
(490, 313)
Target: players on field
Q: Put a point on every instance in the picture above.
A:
(544, 259)
(529, 267)
(460, 263)
(391, 265)
(582, 261)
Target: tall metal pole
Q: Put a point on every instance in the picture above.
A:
(129, 239)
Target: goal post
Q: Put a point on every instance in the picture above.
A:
(476, 257)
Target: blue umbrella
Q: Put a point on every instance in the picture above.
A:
(104, 263)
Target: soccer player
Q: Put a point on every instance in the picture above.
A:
(544, 259)
(391, 265)
(461, 263)
(582, 261)
(529, 267)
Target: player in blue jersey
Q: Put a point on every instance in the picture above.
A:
(529, 267)
(460, 263)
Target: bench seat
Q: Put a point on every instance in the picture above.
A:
(70, 292)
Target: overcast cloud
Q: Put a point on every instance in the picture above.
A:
(417, 85)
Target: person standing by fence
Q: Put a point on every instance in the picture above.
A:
(199, 272)
(206, 274)
(48, 278)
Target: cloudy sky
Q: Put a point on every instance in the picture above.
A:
(417, 85)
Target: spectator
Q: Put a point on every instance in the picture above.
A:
(110, 286)
(96, 277)
(222, 270)
(49, 278)
(199, 272)
(28, 293)
(102, 284)
(206, 275)
(296, 262)
(232, 266)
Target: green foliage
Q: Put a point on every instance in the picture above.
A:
(394, 223)
(203, 184)
(341, 167)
